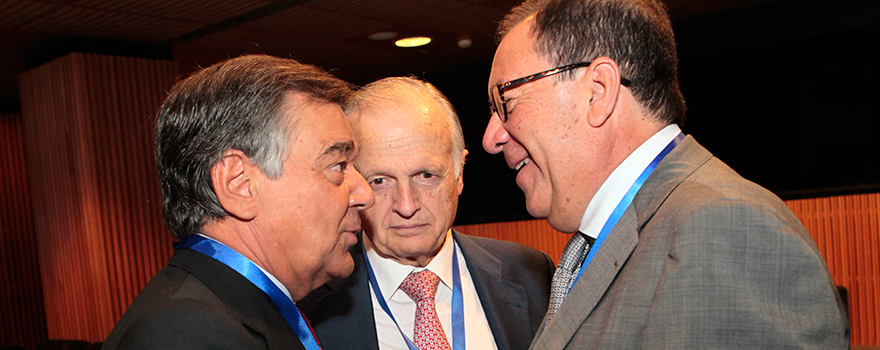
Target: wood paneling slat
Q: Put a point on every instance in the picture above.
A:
(846, 231)
(22, 315)
(88, 131)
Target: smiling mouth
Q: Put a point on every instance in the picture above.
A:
(523, 163)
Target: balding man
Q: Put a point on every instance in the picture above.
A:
(484, 293)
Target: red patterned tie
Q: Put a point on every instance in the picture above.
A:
(421, 287)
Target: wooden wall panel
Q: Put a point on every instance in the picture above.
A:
(846, 230)
(22, 316)
(88, 132)
(99, 236)
(534, 233)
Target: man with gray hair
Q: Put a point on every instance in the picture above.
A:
(255, 163)
(670, 248)
(417, 282)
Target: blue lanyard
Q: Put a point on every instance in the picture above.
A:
(256, 276)
(457, 303)
(624, 203)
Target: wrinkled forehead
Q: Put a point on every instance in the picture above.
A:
(400, 114)
(405, 134)
(311, 120)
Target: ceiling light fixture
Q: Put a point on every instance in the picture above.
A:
(414, 41)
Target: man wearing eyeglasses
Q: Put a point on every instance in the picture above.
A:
(670, 247)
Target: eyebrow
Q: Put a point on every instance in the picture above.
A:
(344, 147)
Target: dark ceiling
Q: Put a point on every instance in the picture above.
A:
(795, 78)
(329, 33)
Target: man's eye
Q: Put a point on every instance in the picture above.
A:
(339, 166)
(509, 104)
(427, 178)
(377, 181)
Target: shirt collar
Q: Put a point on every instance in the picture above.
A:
(390, 273)
(621, 179)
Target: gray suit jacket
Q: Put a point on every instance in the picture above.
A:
(512, 281)
(197, 302)
(702, 259)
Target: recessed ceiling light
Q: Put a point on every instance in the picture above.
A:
(382, 36)
(415, 41)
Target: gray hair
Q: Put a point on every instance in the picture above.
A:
(235, 104)
(394, 88)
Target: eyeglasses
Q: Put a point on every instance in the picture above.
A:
(499, 104)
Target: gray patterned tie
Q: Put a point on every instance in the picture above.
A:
(569, 265)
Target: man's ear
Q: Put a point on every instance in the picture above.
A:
(461, 172)
(603, 80)
(235, 184)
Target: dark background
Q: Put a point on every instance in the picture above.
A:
(785, 95)
(785, 92)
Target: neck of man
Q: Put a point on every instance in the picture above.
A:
(240, 237)
(617, 140)
(632, 128)
(420, 260)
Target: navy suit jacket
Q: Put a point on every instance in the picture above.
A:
(512, 281)
(197, 302)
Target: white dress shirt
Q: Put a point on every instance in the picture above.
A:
(621, 179)
(390, 274)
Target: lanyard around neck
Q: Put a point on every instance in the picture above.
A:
(458, 342)
(246, 268)
(624, 203)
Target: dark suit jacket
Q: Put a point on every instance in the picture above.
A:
(197, 302)
(702, 259)
(512, 281)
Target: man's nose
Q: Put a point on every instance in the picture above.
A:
(495, 136)
(362, 195)
(406, 202)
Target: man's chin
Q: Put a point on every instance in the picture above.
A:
(562, 223)
(559, 222)
(343, 267)
(538, 210)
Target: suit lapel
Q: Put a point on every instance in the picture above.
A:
(683, 161)
(592, 285)
(346, 320)
(686, 158)
(504, 303)
(256, 310)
